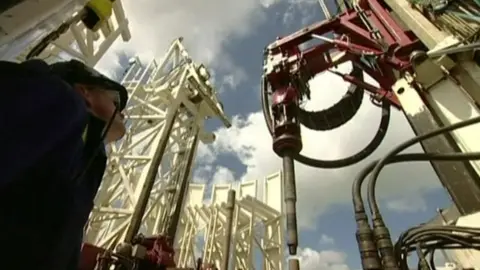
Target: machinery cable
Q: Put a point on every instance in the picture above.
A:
(374, 209)
(52, 36)
(357, 199)
(380, 233)
(93, 15)
(355, 158)
(365, 238)
(432, 237)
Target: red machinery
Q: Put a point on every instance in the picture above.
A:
(368, 31)
(365, 34)
(146, 254)
(152, 253)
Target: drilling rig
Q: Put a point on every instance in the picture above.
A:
(147, 214)
(52, 30)
(423, 55)
(148, 173)
(137, 209)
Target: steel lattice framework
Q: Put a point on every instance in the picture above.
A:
(26, 24)
(169, 102)
(257, 225)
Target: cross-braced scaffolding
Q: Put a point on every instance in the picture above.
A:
(257, 226)
(25, 25)
(148, 170)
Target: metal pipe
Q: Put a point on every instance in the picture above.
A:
(325, 10)
(293, 264)
(174, 219)
(141, 206)
(228, 229)
(451, 49)
(290, 194)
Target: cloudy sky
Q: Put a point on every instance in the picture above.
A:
(229, 37)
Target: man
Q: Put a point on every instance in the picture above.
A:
(54, 122)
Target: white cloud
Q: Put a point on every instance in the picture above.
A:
(326, 240)
(322, 260)
(204, 154)
(223, 175)
(407, 204)
(305, 9)
(202, 173)
(318, 190)
(207, 27)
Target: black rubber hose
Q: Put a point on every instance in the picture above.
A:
(318, 163)
(52, 36)
(365, 237)
(431, 237)
(358, 204)
(338, 114)
(380, 232)
(409, 235)
(372, 201)
(47, 40)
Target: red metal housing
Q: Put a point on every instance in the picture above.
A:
(159, 253)
(89, 256)
(391, 51)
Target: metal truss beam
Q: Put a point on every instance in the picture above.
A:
(257, 225)
(24, 32)
(168, 106)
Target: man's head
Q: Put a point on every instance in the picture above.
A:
(103, 96)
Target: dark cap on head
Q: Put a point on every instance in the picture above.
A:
(74, 72)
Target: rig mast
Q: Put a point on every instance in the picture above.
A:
(235, 229)
(25, 25)
(148, 172)
(423, 54)
(147, 188)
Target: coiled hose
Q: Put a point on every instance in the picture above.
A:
(317, 121)
(338, 114)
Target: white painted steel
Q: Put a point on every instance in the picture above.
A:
(258, 226)
(169, 93)
(23, 26)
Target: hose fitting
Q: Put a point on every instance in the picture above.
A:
(384, 244)
(366, 244)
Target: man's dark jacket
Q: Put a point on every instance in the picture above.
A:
(43, 208)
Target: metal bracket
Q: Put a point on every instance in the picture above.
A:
(430, 71)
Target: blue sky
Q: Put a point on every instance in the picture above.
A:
(229, 37)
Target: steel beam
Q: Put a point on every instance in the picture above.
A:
(458, 178)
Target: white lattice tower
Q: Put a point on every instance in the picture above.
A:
(23, 26)
(258, 225)
(168, 104)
